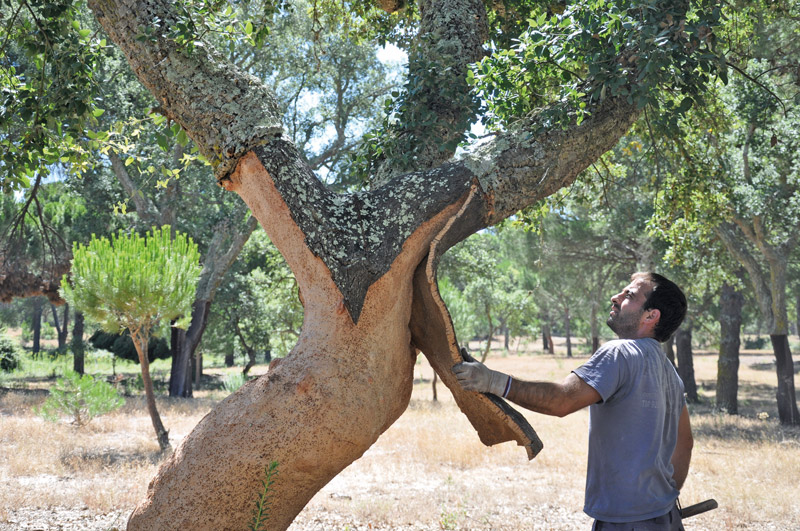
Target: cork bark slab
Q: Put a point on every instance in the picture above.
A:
(433, 333)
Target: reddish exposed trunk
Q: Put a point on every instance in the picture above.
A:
(322, 406)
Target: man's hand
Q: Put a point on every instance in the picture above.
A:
(475, 376)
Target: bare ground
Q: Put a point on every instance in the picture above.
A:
(427, 472)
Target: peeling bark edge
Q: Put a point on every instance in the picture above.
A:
(433, 333)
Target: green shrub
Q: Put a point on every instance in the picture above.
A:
(233, 381)
(47, 331)
(9, 353)
(81, 398)
(756, 343)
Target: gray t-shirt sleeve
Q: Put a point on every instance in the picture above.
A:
(604, 372)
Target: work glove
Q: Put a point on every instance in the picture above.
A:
(475, 376)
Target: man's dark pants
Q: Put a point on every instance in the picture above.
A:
(667, 522)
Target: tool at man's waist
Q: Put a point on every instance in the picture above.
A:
(698, 508)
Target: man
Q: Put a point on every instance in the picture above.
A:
(640, 439)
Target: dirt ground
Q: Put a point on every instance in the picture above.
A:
(429, 471)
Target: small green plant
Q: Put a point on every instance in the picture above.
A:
(80, 397)
(9, 353)
(47, 331)
(233, 381)
(263, 503)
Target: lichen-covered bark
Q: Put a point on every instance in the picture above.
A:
(437, 100)
(224, 110)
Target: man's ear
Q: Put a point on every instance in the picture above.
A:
(653, 315)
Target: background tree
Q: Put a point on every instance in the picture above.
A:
(135, 283)
(259, 304)
(484, 288)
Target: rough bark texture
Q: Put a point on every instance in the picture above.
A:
(18, 280)
(730, 325)
(683, 346)
(365, 264)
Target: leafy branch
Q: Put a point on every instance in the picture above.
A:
(263, 503)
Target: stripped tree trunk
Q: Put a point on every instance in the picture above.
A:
(365, 264)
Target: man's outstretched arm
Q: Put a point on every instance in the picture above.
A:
(683, 449)
(558, 399)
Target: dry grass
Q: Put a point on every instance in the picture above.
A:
(428, 471)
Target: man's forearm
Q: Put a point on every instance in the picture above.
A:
(682, 455)
(541, 397)
(556, 399)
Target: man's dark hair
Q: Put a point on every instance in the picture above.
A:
(668, 299)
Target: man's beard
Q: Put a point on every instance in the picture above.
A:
(625, 326)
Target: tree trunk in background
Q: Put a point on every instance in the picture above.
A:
(683, 345)
(62, 326)
(545, 335)
(595, 327)
(506, 338)
(251, 358)
(787, 401)
(797, 310)
(198, 366)
(669, 348)
(184, 344)
(547, 338)
(730, 324)
(568, 332)
(77, 345)
(36, 324)
(229, 359)
(162, 435)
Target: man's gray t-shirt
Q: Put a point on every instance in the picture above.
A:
(632, 432)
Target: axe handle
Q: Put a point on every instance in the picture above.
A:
(698, 508)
